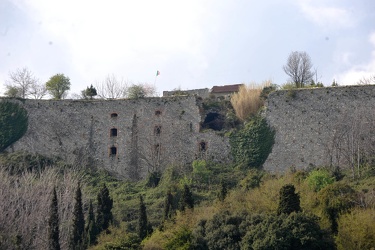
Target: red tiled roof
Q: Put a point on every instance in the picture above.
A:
(226, 88)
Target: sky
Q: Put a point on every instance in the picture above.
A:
(193, 44)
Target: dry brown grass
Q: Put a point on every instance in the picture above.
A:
(247, 101)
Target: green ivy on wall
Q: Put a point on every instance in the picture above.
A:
(13, 123)
(252, 144)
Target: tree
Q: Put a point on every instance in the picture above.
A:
(111, 88)
(186, 199)
(13, 123)
(140, 91)
(58, 85)
(297, 231)
(77, 234)
(89, 92)
(289, 200)
(53, 224)
(22, 80)
(144, 228)
(104, 213)
(168, 206)
(298, 68)
(12, 91)
(335, 200)
(223, 190)
(37, 91)
(91, 229)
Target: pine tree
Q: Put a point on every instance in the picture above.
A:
(289, 200)
(104, 213)
(77, 236)
(91, 230)
(168, 205)
(187, 198)
(142, 220)
(53, 224)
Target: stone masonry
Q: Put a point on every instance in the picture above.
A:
(321, 127)
(129, 138)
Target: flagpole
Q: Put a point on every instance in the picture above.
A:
(156, 76)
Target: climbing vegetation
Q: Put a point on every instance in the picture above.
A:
(252, 144)
(13, 123)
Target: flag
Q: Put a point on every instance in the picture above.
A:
(157, 72)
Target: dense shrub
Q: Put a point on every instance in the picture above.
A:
(297, 231)
(335, 200)
(251, 145)
(356, 230)
(13, 123)
(318, 179)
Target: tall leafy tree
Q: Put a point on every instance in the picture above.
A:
(289, 200)
(187, 199)
(142, 220)
(298, 68)
(77, 234)
(58, 85)
(91, 229)
(53, 224)
(13, 123)
(104, 210)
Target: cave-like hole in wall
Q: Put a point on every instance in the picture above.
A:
(213, 121)
(202, 146)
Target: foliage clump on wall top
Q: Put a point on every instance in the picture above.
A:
(251, 145)
(13, 123)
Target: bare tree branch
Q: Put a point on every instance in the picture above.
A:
(298, 68)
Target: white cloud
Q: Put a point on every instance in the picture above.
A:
(360, 71)
(118, 36)
(326, 16)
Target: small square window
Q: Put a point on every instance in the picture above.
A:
(113, 132)
(114, 115)
(112, 151)
(157, 112)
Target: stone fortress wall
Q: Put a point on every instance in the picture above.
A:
(129, 138)
(332, 126)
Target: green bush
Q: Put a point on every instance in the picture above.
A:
(181, 240)
(318, 179)
(13, 123)
(297, 231)
(252, 144)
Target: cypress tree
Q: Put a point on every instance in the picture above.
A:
(91, 230)
(168, 205)
(142, 220)
(289, 200)
(104, 213)
(187, 198)
(223, 190)
(77, 236)
(53, 224)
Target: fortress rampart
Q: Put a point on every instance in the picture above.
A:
(129, 138)
(321, 127)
